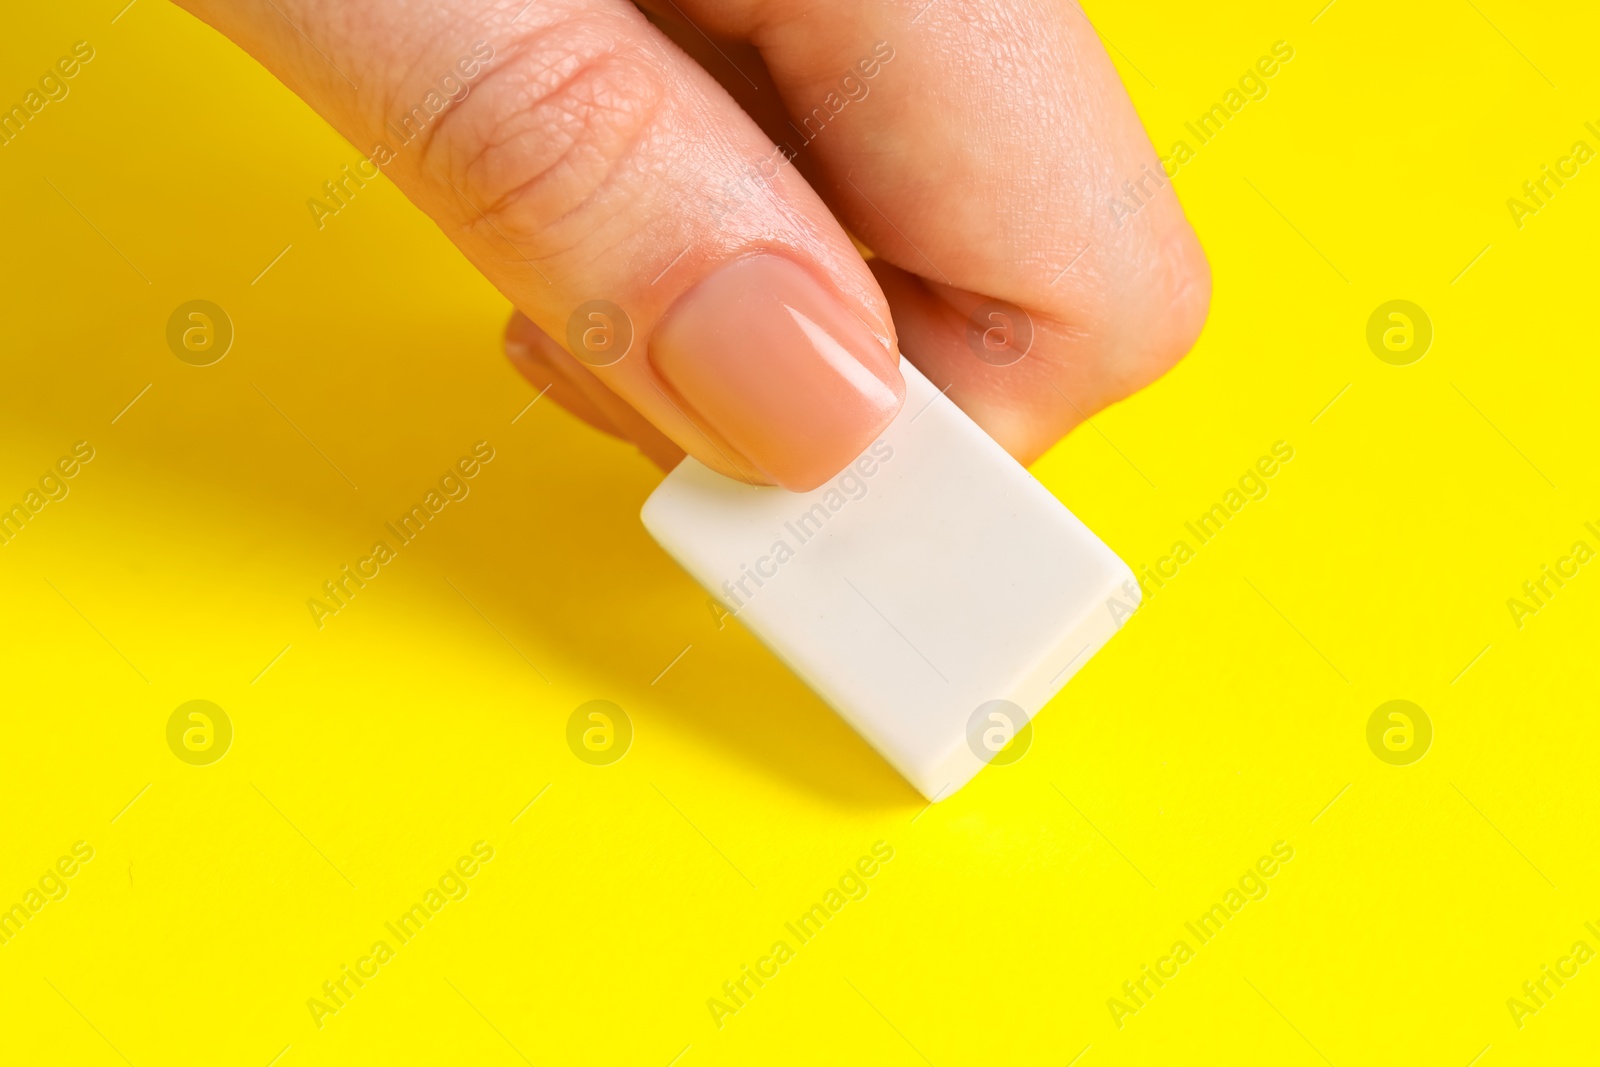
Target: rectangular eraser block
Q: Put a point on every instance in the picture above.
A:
(934, 594)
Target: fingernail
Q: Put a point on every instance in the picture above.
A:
(779, 368)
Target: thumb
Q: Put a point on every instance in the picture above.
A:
(622, 201)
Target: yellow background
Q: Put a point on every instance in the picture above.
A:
(427, 714)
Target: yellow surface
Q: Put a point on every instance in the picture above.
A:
(424, 716)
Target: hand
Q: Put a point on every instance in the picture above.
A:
(682, 186)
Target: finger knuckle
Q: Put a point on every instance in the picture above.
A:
(549, 135)
(1182, 295)
(1171, 299)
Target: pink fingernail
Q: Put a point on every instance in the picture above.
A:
(774, 363)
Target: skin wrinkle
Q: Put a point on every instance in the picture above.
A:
(589, 234)
(618, 218)
(433, 29)
(412, 32)
(527, 109)
(510, 62)
(502, 59)
(654, 180)
(570, 170)
(616, 163)
(516, 58)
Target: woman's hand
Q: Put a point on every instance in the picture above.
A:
(665, 198)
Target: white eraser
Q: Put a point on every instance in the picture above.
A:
(934, 594)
